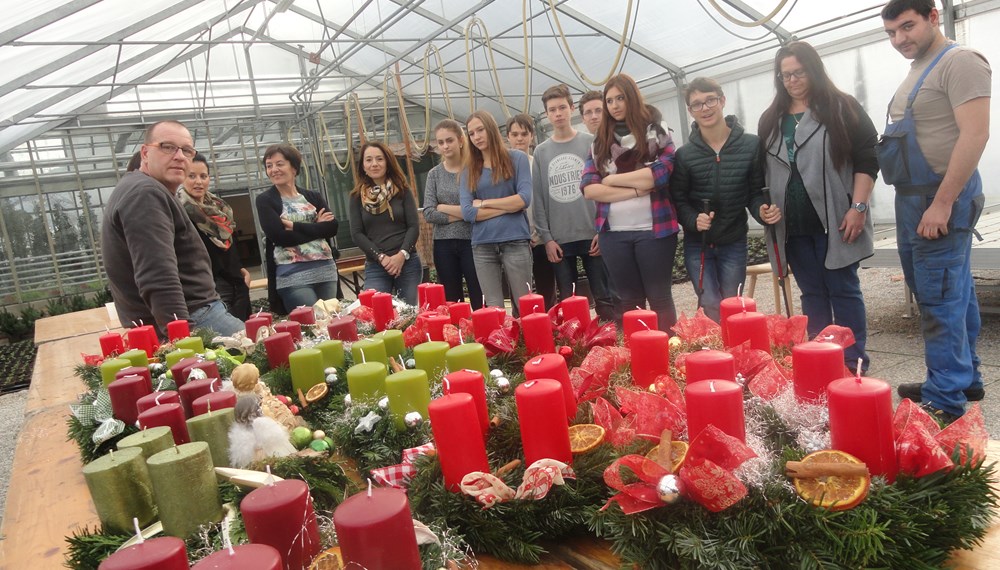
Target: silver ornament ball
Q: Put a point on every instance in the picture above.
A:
(197, 374)
(496, 373)
(330, 370)
(669, 489)
(347, 399)
(413, 419)
(503, 385)
(411, 363)
(156, 368)
(383, 403)
(331, 378)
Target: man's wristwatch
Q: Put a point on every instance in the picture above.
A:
(380, 256)
(860, 206)
(406, 254)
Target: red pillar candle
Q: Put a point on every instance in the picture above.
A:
(343, 329)
(143, 338)
(537, 329)
(278, 347)
(578, 307)
(125, 392)
(709, 365)
(459, 444)
(730, 306)
(368, 522)
(365, 297)
(422, 295)
(486, 320)
(303, 316)
(715, 402)
(650, 353)
(861, 422)
(213, 401)
(195, 389)
(178, 329)
(531, 303)
(154, 399)
(459, 311)
(281, 516)
(435, 325)
(242, 557)
(179, 370)
(752, 326)
(814, 365)
(111, 344)
(544, 435)
(433, 296)
(382, 309)
(293, 328)
(638, 320)
(470, 382)
(136, 371)
(164, 553)
(254, 324)
(169, 415)
(264, 315)
(209, 367)
(552, 366)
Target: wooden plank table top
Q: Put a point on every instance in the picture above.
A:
(985, 253)
(74, 324)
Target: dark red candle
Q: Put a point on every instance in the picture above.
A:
(531, 303)
(343, 329)
(369, 522)
(553, 367)
(143, 338)
(365, 297)
(457, 438)
(213, 401)
(715, 402)
(537, 329)
(195, 389)
(742, 327)
(169, 415)
(178, 329)
(638, 320)
(861, 422)
(179, 370)
(293, 328)
(281, 516)
(710, 365)
(125, 392)
(650, 354)
(139, 371)
(111, 344)
(254, 324)
(470, 382)
(155, 399)
(730, 306)
(303, 315)
(242, 557)
(576, 307)
(278, 347)
(486, 320)
(459, 311)
(382, 309)
(435, 325)
(544, 434)
(814, 365)
(164, 553)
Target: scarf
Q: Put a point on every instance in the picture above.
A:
(213, 217)
(375, 199)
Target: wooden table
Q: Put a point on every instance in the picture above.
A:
(48, 500)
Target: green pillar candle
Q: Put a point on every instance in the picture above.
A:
(191, 343)
(149, 441)
(306, 366)
(408, 391)
(333, 353)
(212, 427)
(394, 344)
(120, 487)
(366, 381)
(471, 355)
(110, 367)
(430, 357)
(185, 488)
(373, 349)
(137, 357)
(175, 356)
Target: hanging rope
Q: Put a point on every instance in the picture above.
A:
(444, 83)
(329, 141)
(743, 23)
(404, 122)
(527, 58)
(572, 60)
(477, 23)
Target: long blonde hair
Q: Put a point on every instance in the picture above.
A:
(456, 128)
(500, 160)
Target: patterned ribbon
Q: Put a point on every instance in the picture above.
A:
(398, 475)
(99, 413)
(539, 478)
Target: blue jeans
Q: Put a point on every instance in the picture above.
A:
(403, 286)
(641, 269)
(307, 295)
(597, 276)
(724, 271)
(453, 261)
(494, 260)
(829, 296)
(939, 273)
(214, 316)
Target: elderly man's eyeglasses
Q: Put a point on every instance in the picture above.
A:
(709, 103)
(786, 76)
(171, 148)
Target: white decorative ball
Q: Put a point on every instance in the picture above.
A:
(503, 385)
(383, 403)
(413, 419)
(330, 370)
(347, 399)
(496, 373)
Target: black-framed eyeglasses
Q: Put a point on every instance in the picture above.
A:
(171, 149)
(797, 74)
(709, 103)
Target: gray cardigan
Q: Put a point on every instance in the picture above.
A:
(830, 190)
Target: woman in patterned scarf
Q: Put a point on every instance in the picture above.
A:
(214, 219)
(384, 223)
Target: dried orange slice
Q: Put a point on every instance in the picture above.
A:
(328, 560)
(317, 392)
(585, 437)
(678, 451)
(833, 492)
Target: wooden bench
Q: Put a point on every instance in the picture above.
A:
(351, 272)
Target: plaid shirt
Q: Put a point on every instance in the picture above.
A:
(664, 216)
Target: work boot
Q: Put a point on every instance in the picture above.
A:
(941, 416)
(912, 391)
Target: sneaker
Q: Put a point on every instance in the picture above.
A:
(912, 391)
(942, 417)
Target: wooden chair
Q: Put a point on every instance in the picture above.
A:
(765, 269)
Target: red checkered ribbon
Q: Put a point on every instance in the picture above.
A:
(539, 478)
(398, 475)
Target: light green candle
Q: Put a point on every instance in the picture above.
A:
(185, 488)
(430, 357)
(212, 427)
(110, 367)
(393, 339)
(191, 343)
(175, 356)
(471, 355)
(137, 357)
(369, 350)
(149, 441)
(333, 353)
(408, 391)
(120, 487)
(306, 365)
(366, 381)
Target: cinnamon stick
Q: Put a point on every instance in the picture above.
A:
(814, 470)
(663, 452)
(395, 366)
